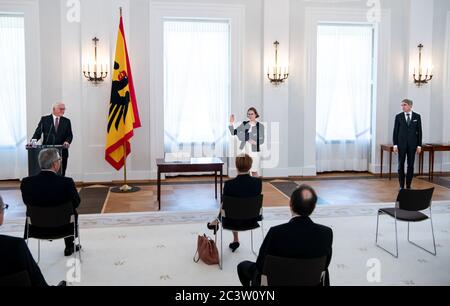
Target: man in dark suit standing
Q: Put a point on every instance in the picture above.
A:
(15, 257)
(300, 238)
(407, 141)
(57, 130)
(47, 189)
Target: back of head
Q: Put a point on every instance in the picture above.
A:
(303, 201)
(47, 157)
(244, 163)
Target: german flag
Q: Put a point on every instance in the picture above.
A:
(123, 115)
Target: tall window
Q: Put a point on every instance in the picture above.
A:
(345, 58)
(196, 82)
(12, 95)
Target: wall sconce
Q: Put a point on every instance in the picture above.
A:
(422, 79)
(277, 74)
(95, 76)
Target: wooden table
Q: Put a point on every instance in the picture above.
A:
(194, 165)
(390, 149)
(430, 149)
(436, 148)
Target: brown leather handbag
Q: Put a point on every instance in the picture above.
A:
(206, 251)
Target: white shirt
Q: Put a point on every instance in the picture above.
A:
(54, 119)
(410, 116)
(252, 126)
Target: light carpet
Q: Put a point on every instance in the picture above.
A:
(156, 249)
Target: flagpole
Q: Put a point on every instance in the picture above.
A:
(125, 187)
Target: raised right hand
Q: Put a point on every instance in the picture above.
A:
(232, 119)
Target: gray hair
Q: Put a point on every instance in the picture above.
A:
(57, 104)
(47, 157)
(408, 101)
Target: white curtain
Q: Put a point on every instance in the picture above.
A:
(344, 97)
(196, 87)
(13, 162)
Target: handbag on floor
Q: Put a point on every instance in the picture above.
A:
(206, 251)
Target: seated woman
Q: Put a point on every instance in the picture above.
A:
(243, 186)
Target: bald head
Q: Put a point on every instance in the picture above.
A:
(303, 201)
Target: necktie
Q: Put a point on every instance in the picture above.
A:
(56, 125)
(408, 121)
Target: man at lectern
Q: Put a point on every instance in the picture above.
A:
(57, 130)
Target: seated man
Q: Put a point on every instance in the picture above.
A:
(243, 186)
(47, 189)
(15, 257)
(300, 238)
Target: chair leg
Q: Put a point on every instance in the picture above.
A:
(39, 251)
(262, 228)
(420, 247)
(396, 239)
(28, 233)
(79, 243)
(253, 251)
(376, 234)
(75, 256)
(221, 248)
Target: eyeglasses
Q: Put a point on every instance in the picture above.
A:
(4, 207)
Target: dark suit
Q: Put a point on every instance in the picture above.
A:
(55, 137)
(50, 190)
(15, 257)
(244, 135)
(243, 186)
(407, 139)
(300, 238)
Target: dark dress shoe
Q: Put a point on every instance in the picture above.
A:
(213, 227)
(69, 251)
(62, 284)
(234, 246)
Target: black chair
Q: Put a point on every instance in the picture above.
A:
(21, 279)
(52, 223)
(408, 208)
(279, 271)
(239, 215)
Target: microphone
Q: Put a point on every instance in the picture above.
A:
(49, 133)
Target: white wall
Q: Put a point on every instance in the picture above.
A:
(65, 46)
